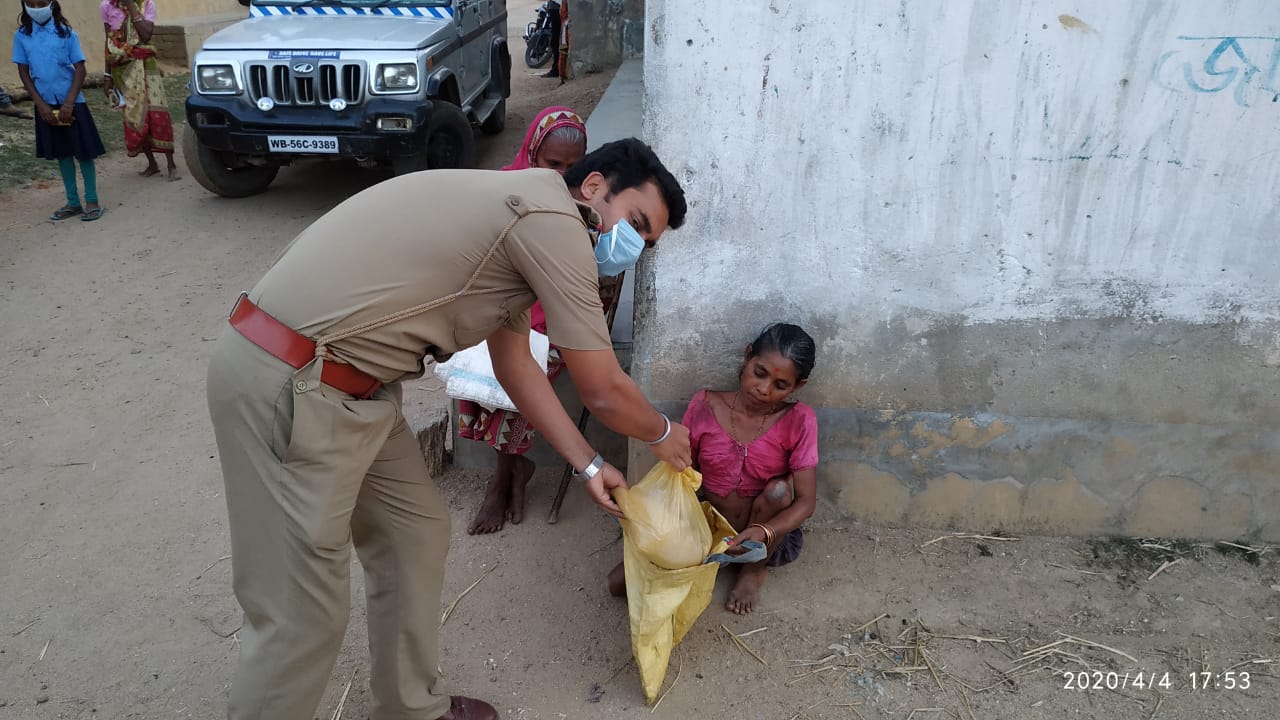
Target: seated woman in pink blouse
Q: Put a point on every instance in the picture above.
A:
(758, 453)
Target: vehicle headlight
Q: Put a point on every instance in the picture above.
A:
(216, 79)
(397, 76)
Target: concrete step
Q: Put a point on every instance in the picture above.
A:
(177, 40)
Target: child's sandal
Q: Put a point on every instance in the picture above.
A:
(66, 211)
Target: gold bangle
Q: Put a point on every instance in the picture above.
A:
(769, 534)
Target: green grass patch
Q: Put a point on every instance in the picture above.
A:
(1135, 559)
(1242, 550)
(20, 168)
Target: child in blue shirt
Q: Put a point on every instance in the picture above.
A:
(51, 65)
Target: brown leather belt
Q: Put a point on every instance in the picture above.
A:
(286, 345)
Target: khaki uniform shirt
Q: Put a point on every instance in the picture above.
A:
(411, 240)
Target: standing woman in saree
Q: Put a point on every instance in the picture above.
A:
(132, 70)
(562, 50)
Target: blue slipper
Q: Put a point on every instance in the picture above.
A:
(66, 211)
(94, 214)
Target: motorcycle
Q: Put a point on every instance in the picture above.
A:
(539, 35)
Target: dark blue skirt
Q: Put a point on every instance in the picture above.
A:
(80, 140)
(788, 550)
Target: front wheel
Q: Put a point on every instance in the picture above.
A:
(538, 50)
(450, 142)
(209, 169)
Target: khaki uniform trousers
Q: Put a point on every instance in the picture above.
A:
(310, 470)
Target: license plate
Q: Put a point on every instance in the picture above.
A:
(303, 144)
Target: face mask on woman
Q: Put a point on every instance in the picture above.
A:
(618, 250)
(40, 15)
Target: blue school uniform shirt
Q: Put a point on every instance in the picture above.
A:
(50, 59)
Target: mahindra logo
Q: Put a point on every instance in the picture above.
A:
(303, 67)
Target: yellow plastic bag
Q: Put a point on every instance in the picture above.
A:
(663, 519)
(665, 522)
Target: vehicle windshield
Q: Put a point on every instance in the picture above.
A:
(359, 3)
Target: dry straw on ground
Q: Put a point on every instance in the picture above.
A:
(342, 701)
(742, 646)
(919, 655)
(970, 536)
(444, 618)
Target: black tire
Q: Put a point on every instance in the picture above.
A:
(497, 120)
(450, 143)
(209, 169)
(538, 51)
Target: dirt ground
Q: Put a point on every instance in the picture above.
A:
(115, 595)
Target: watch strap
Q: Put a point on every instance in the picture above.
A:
(592, 469)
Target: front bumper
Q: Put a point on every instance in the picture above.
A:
(227, 124)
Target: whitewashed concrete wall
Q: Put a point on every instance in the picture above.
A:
(1058, 217)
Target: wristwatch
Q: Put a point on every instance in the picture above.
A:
(592, 469)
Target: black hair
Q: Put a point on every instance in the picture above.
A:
(60, 24)
(630, 163)
(792, 343)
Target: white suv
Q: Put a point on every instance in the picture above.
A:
(379, 81)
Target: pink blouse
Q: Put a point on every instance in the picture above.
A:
(113, 15)
(727, 466)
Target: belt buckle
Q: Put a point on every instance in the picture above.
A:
(239, 299)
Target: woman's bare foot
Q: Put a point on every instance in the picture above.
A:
(493, 509)
(746, 592)
(173, 169)
(153, 167)
(520, 475)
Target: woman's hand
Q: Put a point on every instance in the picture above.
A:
(108, 84)
(134, 12)
(675, 450)
(752, 533)
(65, 113)
(601, 488)
(46, 112)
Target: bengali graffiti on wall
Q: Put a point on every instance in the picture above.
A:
(1243, 66)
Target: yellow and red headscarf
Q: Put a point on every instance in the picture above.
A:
(549, 119)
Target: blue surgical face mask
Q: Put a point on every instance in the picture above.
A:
(40, 15)
(618, 250)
